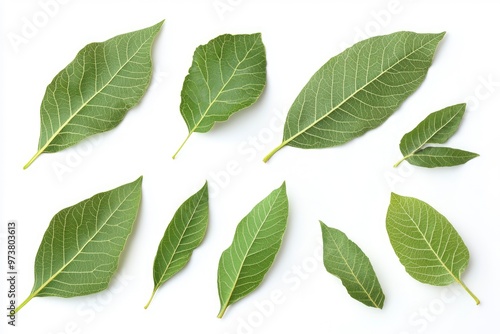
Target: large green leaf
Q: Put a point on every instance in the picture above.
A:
(426, 243)
(184, 233)
(80, 249)
(94, 92)
(358, 90)
(228, 74)
(436, 128)
(344, 259)
(258, 237)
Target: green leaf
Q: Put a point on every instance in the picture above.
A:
(426, 243)
(344, 259)
(80, 249)
(184, 233)
(357, 90)
(228, 74)
(436, 128)
(440, 157)
(258, 237)
(94, 92)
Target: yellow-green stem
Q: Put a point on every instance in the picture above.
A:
(182, 145)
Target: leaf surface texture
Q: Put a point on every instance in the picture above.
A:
(227, 75)
(182, 236)
(94, 92)
(344, 259)
(357, 90)
(256, 242)
(80, 249)
(426, 243)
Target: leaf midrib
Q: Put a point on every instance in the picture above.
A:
(354, 275)
(50, 279)
(160, 282)
(222, 89)
(285, 142)
(84, 104)
(248, 250)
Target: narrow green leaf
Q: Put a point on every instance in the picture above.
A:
(358, 90)
(426, 243)
(80, 249)
(344, 259)
(94, 92)
(431, 157)
(184, 233)
(258, 237)
(436, 128)
(228, 74)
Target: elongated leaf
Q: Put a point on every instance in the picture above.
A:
(440, 157)
(258, 237)
(358, 90)
(344, 259)
(80, 249)
(184, 233)
(436, 128)
(228, 74)
(426, 243)
(94, 92)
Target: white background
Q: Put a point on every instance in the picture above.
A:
(347, 187)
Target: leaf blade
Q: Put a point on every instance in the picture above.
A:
(182, 236)
(81, 247)
(256, 243)
(95, 90)
(347, 96)
(431, 157)
(344, 259)
(416, 232)
(436, 128)
(227, 75)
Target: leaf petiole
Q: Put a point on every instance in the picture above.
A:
(182, 145)
(400, 161)
(151, 298)
(469, 292)
(276, 149)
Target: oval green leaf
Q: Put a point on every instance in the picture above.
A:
(228, 74)
(344, 259)
(357, 90)
(436, 128)
(426, 243)
(258, 237)
(94, 92)
(80, 249)
(184, 233)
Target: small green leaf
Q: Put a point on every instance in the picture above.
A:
(436, 128)
(80, 250)
(258, 237)
(440, 157)
(94, 92)
(357, 90)
(344, 259)
(228, 74)
(426, 243)
(184, 233)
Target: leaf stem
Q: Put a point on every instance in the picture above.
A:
(37, 154)
(151, 298)
(30, 297)
(276, 149)
(182, 145)
(469, 292)
(399, 162)
(222, 311)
